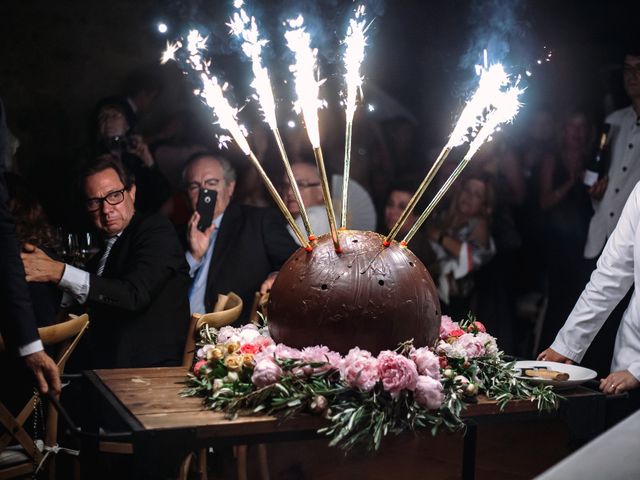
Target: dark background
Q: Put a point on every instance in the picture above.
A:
(59, 57)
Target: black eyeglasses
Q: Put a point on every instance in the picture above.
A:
(302, 184)
(113, 198)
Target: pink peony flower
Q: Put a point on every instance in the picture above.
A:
(426, 361)
(321, 353)
(472, 345)
(447, 326)
(287, 353)
(397, 372)
(428, 392)
(202, 352)
(248, 333)
(359, 370)
(198, 366)
(489, 343)
(228, 334)
(266, 372)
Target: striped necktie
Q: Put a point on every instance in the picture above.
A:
(105, 255)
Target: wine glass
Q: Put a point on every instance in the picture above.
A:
(88, 247)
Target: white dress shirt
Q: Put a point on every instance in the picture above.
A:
(624, 173)
(609, 283)
(76, 282)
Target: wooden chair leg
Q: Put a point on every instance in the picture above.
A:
(241, 461)
(183, 473)
(202, 463)
(263, 461)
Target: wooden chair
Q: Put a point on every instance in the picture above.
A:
(19, 459)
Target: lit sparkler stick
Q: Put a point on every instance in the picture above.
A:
(246, 28)
(506, 107)
(304, 69)
(489, 88)
(353, 56)
(213, 95)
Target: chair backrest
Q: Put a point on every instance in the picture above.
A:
(65, 336)
(226, 311)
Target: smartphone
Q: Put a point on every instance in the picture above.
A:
(205, 207)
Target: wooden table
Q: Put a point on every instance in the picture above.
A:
(163, 424)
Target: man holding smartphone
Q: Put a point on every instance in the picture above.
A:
(241, 249)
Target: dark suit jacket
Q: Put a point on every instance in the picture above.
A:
(139, 307)
(252, 243)
(17, 320)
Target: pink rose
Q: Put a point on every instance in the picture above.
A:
(266, 372)
(198, 366)
(447, 326)
(397, 372)
(359, 370)
(472, 345)
(426, 361)
(428, 392)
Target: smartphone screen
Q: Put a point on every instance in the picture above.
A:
(205, 207)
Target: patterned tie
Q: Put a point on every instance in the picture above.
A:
(105, 255)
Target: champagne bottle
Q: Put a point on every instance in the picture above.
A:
(597, 167)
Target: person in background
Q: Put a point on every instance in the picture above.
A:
(17, 319)
(115, 134)
(243, 248)
(308, 180)
(399, 196)
(463, 243)
(33, 228)
(566, 212)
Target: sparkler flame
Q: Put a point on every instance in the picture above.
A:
(492, 81)
(245, 27)
(304, 72)
(353, 56)
(170, 52)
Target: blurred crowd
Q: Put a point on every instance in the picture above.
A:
(513, 241)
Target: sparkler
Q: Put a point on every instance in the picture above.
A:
(246, 28)
(506, 106)
(492, 80)
(213, 95)
(304, 70)
(353, 56)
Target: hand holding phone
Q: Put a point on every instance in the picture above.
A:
(205, 207)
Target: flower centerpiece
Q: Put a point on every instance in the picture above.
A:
(362, 396)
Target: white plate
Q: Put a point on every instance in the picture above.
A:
(577, 375)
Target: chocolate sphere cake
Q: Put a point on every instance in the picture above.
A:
(367, 296)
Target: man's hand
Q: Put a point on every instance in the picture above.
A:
(597, 189)
(268, 283)
(141, 149)
(46, 372)
(198, 241)
(618, 382)
(39, 267)
(551, 355)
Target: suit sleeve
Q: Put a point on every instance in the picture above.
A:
(277, 240)
(17, 319)
(153, 258)
(608, 284)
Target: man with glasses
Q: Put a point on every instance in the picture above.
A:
(135, 289)
(308, 180)
(243, 248)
